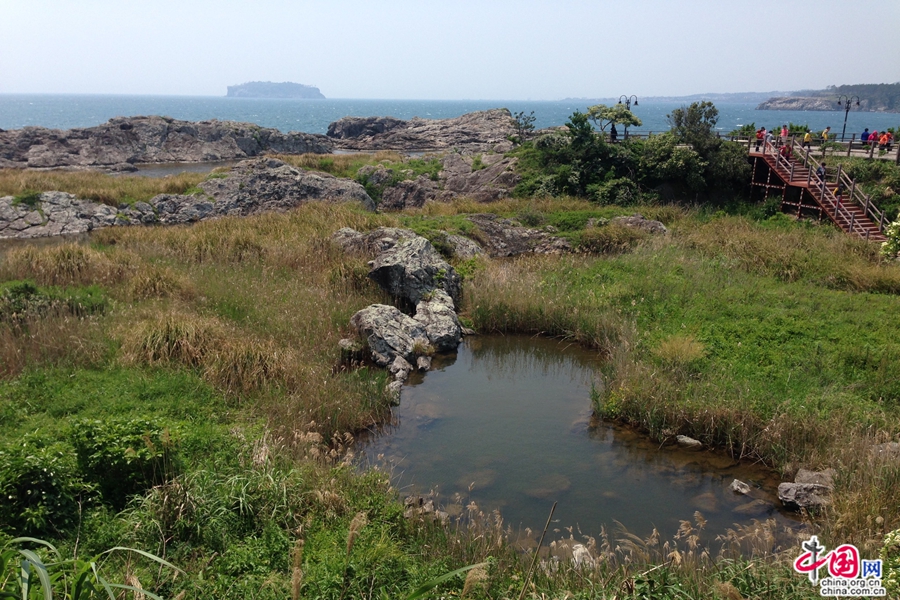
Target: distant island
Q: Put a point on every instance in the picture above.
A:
(873, 97)
(269, 89)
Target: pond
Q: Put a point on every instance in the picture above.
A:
(507, 423)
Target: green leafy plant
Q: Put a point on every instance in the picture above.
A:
(123, 457)
(29, 198)
(26, 574)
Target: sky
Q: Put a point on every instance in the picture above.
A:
(448, 50)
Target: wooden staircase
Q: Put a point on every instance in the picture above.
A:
(837, 197)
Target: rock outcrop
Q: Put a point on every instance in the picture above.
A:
(154, 139)
(255, 186)
(506, 237)
(408, 267)
(484, 131)
(412, 270)
(797, 103)
(251, 187)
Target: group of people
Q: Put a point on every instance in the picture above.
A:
(885, 140)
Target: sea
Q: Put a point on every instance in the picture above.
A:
(313, 116)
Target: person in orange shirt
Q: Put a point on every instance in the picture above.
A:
(883, 141)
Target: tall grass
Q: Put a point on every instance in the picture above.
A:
(94, 185)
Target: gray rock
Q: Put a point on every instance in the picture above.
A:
(485, 131)
(809, 496)
(134, 140)
(505, 237)
(754, 507)
(423, 363)
(825, 478)
(266, 184)
(400, 368)
(739, 487)
(437, 315)
(372, 243)
(639, 222)
(412, 269)
(389, 333)
(409, 194)
(59, 213)
(463, 247)
(688, 442)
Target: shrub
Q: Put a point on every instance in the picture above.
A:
(123, 458)
(39, 486)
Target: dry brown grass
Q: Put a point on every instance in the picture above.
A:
(55, 339)
(94, 185)
(64, 265)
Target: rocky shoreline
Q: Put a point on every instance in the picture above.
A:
(818, 103)
(123, 142)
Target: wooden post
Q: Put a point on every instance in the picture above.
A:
(852, 221)
(871, 149)
(898, 152)
(850, 145)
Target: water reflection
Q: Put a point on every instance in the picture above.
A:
(507, 423)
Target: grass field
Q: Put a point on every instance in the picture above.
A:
(185, 387)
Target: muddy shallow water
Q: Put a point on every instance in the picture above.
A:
(507, 423)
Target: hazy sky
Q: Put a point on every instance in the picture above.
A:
(454, 49)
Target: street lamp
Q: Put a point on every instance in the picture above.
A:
(847, 101)
(627, 103)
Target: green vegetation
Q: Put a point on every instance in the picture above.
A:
(180, 391)
(688, 162)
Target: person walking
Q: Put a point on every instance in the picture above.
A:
(760, 134)
(807, 141)
(784, 134)
(613, 134)
(825, 134)
(820, 173)
(864, 138)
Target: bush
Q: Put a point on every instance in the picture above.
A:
(123, 458)
(40, 487)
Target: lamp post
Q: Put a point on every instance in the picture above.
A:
(627, 103)
(847, 101)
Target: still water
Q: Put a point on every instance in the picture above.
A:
(507, 423)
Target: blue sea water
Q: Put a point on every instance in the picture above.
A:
(313, 116)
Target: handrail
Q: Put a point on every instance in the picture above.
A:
(836, 207)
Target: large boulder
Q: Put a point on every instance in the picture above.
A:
(810, 490)
(412, 269)
(389, 333)
(437, 314)
(153, 139)
(266, 184)
(483, 131)
(372, 243)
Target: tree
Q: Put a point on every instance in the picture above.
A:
(603, 115)
(694, 125)
(524, 125)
